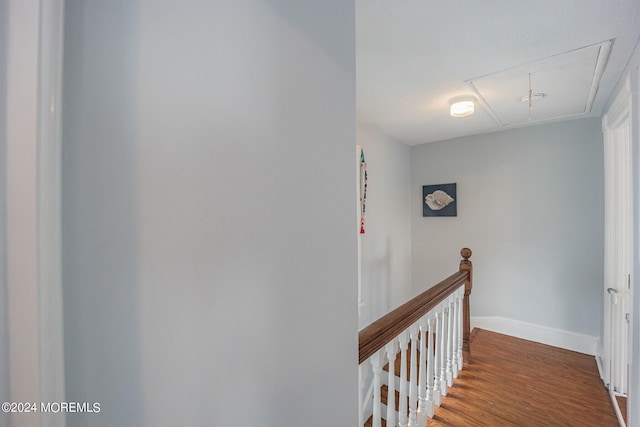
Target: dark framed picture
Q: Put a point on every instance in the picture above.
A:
(439, 200)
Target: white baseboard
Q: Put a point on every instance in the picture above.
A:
(581, 343)
(600, 359)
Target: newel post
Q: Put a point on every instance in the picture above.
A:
(466, 265)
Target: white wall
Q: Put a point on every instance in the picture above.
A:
(530, 206)
(209, 254)
(386, 245)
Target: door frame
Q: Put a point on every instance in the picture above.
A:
(626, 107)
(32, 339)
(618, 245)
(633, 83)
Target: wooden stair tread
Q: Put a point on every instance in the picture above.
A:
(369, 422)
(384, 395)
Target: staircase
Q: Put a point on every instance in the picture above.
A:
(397, 375)
(423, 369)
(384, 388)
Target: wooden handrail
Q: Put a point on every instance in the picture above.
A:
(375, 336)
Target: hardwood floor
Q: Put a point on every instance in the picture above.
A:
(514, 382)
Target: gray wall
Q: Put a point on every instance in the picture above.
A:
(530, 206)
(386, 245)
(209, 254)
(4, 338)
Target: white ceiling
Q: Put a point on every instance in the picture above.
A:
(414, 56)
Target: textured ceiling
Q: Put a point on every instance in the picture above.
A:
(414, 56)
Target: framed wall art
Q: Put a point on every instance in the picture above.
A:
(439, 200)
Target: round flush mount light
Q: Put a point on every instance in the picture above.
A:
(462, 107)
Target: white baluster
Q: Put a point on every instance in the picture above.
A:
(456, 330)
(422, 380)
(403, 339)
(436, 362)
(413, 378)
(443, 351)
(391, 383)
(460, 327)
(450, 345)
(429, 396)
(376, 364)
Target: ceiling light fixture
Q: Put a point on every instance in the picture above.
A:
(531, 97)
(462, 107)
(534, 97)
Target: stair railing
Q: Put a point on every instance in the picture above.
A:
(436, 324)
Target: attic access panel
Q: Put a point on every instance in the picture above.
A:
(569, 81)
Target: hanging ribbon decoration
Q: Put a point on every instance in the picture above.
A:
(363, 190)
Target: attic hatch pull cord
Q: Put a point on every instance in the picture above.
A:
(530, 95)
